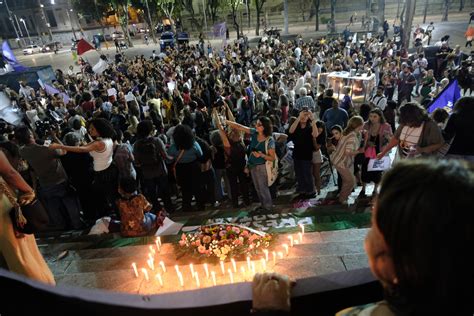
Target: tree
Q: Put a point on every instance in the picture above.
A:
(93, 9)
(121, 10)
(333, 16)
(167, 7)
(258, 6)
(235, 7)
(445, 12)
(304, 6)
(188, 6)
(425, 11)
(147, 7)
(316, 8)
(410, 6)
(213, 7)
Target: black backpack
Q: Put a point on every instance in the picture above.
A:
(146, 152)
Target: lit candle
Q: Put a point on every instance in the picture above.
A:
(213, 278)
(162, 264)
(253, 268)
(177, 269)
(150, 256)
(160, 280)
(274, 254)
(196, 277)
(242, 270)
(158, 244)
(134, 266)
(297, 242)
(291, 240)
(152, 251)
(234, 266)
(302, 228)
(286, 248)
(280, 255)
(151, 264)
(231, 276)
(265, 251)
(222, 267)
(180, 277)
(206, 270)
(300, 236)
(264, 264)
(191, 267)
(145, 273)
(248, 263)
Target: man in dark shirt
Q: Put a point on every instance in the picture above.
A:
(327, 102)
(302, 132)
(406, 84)
(61, 204)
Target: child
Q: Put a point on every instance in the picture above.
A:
(134, 211)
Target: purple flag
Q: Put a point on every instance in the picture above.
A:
(10, 58)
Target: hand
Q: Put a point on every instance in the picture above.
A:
(380, 155)
(26, 198)
(258, 154)
(55, 146)
(271, 291)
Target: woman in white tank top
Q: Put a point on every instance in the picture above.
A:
(101, 149)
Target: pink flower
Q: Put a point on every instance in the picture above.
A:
(244, 233)
(222, 233)
(198, 242)
(229, 228)
(183, 236)
(182, 243)
(237, 242)
(202, 249)
(206, 239)
(236, 230)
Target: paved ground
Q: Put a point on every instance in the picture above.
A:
(63, 59)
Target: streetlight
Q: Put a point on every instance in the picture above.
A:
(11, 20)
(46, 19)
(70, 21)
(22, 20)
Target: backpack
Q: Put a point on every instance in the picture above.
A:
(146, 152)
(271, 166)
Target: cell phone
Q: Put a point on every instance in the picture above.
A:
(47, 143)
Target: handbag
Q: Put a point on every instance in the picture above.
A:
(370, 152)
(26, 219)
(271, 166)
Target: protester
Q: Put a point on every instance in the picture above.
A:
(408, 233)
(18, 251)
(459, 130)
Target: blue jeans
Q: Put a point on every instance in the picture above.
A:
(221, 174)
(62, 205)
(304, 176)
(260, 182)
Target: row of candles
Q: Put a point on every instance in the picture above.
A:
(249, 270)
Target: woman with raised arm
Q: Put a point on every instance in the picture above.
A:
(261, 150)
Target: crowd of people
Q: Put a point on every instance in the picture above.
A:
(195, 126)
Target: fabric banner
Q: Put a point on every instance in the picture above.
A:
(446, 98)
(83, 46)
(10, 59)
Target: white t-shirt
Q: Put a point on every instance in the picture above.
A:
(409, 138)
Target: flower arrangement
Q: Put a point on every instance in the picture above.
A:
(222, 241)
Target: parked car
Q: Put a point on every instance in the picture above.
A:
(182, 37)
(143, 30)
(118, 35)
(50, 47)
(166, 40)
(31, 49)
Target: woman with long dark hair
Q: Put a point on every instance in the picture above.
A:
(417, 135)
(416, 245)
(377, 133)
(460, 129)
(186, 154)
(261, 150)
(101, 149)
